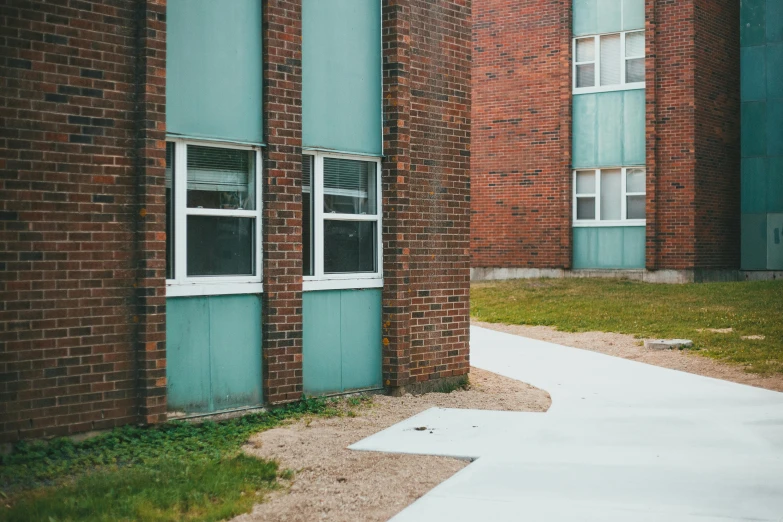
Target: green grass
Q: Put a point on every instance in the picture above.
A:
(649, 311)
(176, 471)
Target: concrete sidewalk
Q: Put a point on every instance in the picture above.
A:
(622, 441)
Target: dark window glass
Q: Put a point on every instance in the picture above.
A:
(307, 216)
(349, 246)
(169, 211)
(585, 208)
(220, 246)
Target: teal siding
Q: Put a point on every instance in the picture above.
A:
(609, 129)
(214, 70)
(762, 133)
(607, 16)
(609, 247)
(341, 75)
(341, 340)
(213, 352)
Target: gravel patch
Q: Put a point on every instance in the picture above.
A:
(336, 484)
(629, 347)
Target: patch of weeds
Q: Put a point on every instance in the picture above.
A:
(462, 383)
(287, 474)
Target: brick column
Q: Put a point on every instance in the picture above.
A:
(282, 224)
(150, 236)
(651, 136)
(396, 196)
(565, 136)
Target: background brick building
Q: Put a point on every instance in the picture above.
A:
(607, 139)
(227, 205)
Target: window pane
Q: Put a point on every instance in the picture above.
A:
(221, 178)
(585, 208)
(611, 195)
(585, 50)
(220, 246)
(635, 181)
(636, 207)
(349, 246)
(349, 186)
(585, 182)
(634, 45)
(169, 211)
(634, 70)
(611, 60)
(307, 216)
(585, 75)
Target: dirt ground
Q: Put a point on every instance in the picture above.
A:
(336, 484)
(628, 347)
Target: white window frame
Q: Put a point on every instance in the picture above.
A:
(183, 285)
(597, 87)
(597, 222)
(321, 280)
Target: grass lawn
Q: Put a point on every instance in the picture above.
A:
(176, 471)
(649, 311)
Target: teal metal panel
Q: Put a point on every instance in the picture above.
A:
(609, 247)
(754, 185)
(634, 127)
(585, 17)
(754, 129)
(187, 354)
(609, 16)
(753, 73)
(609, 129)
(360, 328)
(774, 241)
(321, 342)
(214, 70)
(774, 184)
(774, 118)
(341, 75)
(774, 70)
(774, 20)
(754, 241)
(633, 15)
(752, 27)
(235, 350)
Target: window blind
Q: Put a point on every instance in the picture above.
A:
(634, 45)
(347, 177)
(218, 169)
(307, 173)
(611, 60)
(169, 164)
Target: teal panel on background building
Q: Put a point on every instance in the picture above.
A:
(607, 16)
(214, 69)
(752, 26)
(753, 73)
(341, 75)
(774, 184)
(609, 129)
(341, 340)
(754, 241)
(754, 129)
(213, 351)
(775, 241)
(609, 247)
(754, 185)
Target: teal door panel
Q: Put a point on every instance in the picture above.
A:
(774, 241)
(187, 354)
(754, 185)
(341, 340)
(774, 183)
(214, 74)
(341, 75)
(754, 241)
(321, 350)
(752, 27)
(753, 75)
(609, 248)
(360, 327)
(609, 129)
(235, 340)
(213, 351)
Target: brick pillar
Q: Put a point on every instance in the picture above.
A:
(150, 237)
(396, 195)
(653, 243)
(565, 136)
(282, 225)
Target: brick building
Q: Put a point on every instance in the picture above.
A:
(210, 206)
(610, 137)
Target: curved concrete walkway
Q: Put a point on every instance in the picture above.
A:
(623, 441)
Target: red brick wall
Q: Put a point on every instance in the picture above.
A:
(521, 147)
(282, 225)
(81, 217)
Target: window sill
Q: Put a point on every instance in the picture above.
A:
(341, 284)
(204, 289)
(626, 223)
(609, 88)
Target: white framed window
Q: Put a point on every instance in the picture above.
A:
(609, 62)
(341, 224)
(610, 197)
(213, 207)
